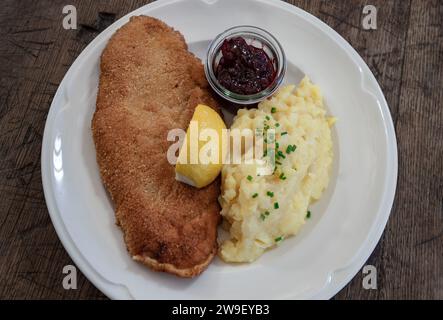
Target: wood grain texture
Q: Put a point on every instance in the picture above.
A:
(405, 53)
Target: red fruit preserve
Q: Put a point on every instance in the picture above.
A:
(243, 68)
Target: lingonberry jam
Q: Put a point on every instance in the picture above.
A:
(243, 68)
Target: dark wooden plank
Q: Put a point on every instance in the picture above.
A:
(415, 232)
(405, 53)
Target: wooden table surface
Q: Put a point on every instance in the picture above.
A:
(405, 54)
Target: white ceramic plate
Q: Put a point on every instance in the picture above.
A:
(347, 223)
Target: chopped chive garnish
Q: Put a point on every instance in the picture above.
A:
(255, 195)
(277, 145)
(266, 127)
(278, 162)
(249, 178)
(284, 133)
(277, 124)
(276, 206)
(268, 118)
(273, 110)
(278, 239)
(282, 176)
(308, 214)
(291, 148)
(264, 215)
(270, 194)
(280, 154)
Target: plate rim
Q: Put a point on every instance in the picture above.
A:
(117, 291)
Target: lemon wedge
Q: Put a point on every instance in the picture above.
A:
(201, 156)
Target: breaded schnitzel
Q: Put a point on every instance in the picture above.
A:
(150, 84)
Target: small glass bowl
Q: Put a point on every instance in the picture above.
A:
(254, 36)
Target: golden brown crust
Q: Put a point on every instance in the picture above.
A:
(149, 84)
(167, 267)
